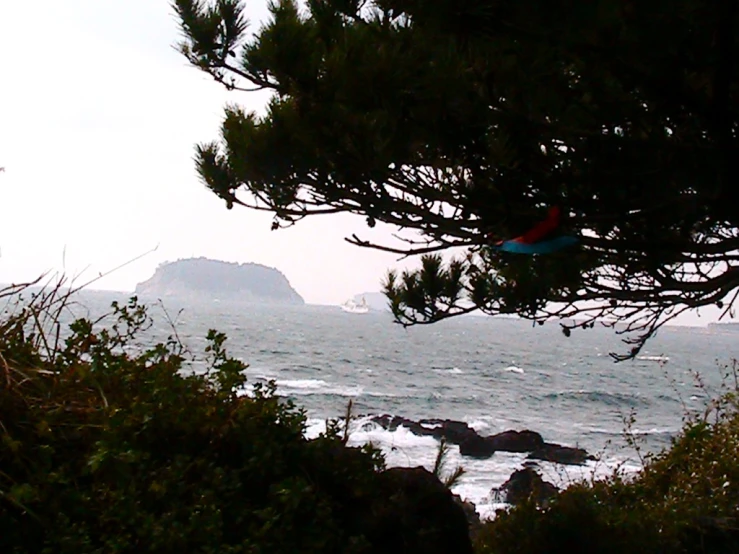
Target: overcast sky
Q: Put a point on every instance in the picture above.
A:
(98, 120)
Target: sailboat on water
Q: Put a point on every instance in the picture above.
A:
(353, 307)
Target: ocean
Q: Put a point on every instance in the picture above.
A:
(493, 373)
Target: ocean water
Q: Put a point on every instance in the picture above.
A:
(496, 374)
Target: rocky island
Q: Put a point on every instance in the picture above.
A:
(205, 279)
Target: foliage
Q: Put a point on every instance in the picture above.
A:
(107, 450)
(466, 121)
(451, 478)
(686, 499)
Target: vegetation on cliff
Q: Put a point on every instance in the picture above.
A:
(108, 447)
(213, 279)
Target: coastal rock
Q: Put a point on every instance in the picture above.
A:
(551, 452)
(392, 422)
(417, 514)
(405, 509)
(213, 280)
(507, 441)
(473, 445)
(473, 518)
(454, 432)
(476, 447)
(516, 441)
(523, 484)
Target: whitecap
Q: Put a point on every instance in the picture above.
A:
(307, 387)
(514, 369)
(664, 359)
(654, 431)
(301, 383)
(451, 371)
(479, 425)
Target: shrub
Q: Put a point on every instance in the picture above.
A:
(105, 448)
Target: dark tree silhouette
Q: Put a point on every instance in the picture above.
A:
(465, 121)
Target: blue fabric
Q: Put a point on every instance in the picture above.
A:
(543, 247)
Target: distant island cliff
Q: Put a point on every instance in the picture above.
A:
(202, 278)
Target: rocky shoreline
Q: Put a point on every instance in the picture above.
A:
(473, 445)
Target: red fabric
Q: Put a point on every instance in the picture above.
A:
(541, 229)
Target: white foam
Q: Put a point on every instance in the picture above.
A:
(427, 425)
(301, 383)
(514, 369)
(451, 371)
(480, 424)
(314, 427)
(306, 387)
(654, 358)
(654, 431)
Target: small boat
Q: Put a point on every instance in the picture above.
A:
(353, 307)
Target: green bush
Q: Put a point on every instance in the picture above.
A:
(110, 449)
(686, 499)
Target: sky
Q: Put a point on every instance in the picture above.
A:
(98, 122)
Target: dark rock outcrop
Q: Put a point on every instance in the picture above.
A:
(416, 513)
(476, 446)
(550, 452)
(473, 445)
(453, 431)
(507, 441)
(523, 484)
(400, 510)
(473, 518)
(516, 441)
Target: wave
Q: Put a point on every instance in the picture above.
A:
(603, 397)
(308, 387)
(301, 383)
(316, 387)
(664, 359)
(668, 398)
(275, 352)
(514, 369)
(449, 371)
(654, 431)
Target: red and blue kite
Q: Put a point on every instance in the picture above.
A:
(541, 239)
